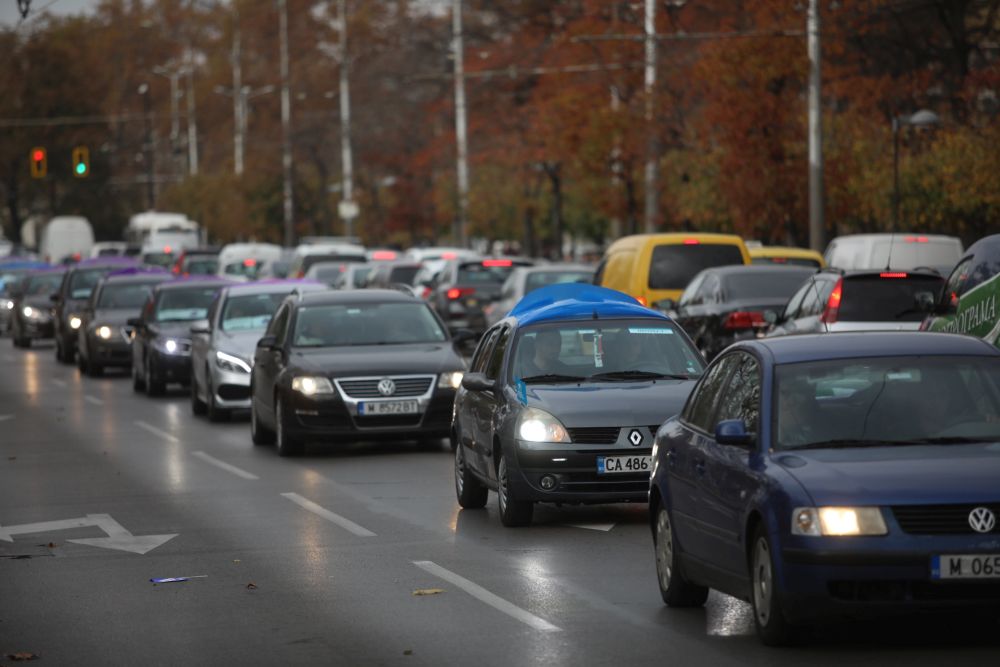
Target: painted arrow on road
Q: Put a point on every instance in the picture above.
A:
(119, 538)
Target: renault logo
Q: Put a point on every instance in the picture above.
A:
(635, 437)
(386, 387)
(982, 520)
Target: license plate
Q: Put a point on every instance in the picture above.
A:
(966, 566)
(610, 465)
(388, 408)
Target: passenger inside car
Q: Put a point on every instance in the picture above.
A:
(540, 354)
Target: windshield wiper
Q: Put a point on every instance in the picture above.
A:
(953, 440)
(551, 377)
(637, 375)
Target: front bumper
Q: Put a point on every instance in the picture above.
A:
(37, 328)
(231, 389)
(171, 367)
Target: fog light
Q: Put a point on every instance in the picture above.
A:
(548, 482)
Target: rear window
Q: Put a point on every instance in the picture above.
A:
(403, 274)
(876, 299)
(674, 265)
(763, 285)
(910, 253)
(309, 260)
(543, 278)
(478, 274)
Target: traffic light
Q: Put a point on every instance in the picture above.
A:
(81, 162)
(39, 162)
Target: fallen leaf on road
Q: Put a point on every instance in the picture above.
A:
(428, 591)
(11, 458)
(22, 655)
(237, 562)
(52, 545)
(251, 586)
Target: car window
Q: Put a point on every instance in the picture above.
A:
(249, 312)
(123, 295)
(482, 354)
(955, 287)
(795, 303)
(183, 305)
(692, 293)
(496, 357)
(542, 278)
(871, 298)
(371, 323)
(279, 325)
(741, 397)
(711, 290)
(672, 266)
(813, 303)
(700, 409)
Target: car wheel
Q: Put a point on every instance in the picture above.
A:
(138, 382)
(258, 433)
(215, 413)
(513, 512)
(154, 386)
(773, 627)
(197, 405)
(472, 495)
(287, 444)
(675, 590)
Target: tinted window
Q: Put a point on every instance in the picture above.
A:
(181, 305)
(279, 325)
(482, 354)
(45, 283)
(201, 266)
(403, 274)
(875, 299)
(674, 265)
(247, 268)
(763, 285)
(249, 312)
(814, 302)
(366, 324)
(700, 410)
(162, 259)
(792, 308)
(741, 397)
(123, 295)
(543, 278)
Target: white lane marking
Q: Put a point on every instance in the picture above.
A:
(4, 418)
(93, 399)
(346, 524)
(239, 472)
(483, 595)
(155, 431)
(60, 383)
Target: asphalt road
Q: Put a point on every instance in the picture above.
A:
(316, 560)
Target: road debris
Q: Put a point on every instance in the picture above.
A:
(171, 580)
(22, 655)
(251, 586)
(428, 591)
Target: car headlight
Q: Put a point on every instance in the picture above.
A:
(536, 425)
(75, 322)
(7, 304)
(451, 380)
(312, 386)
(231, 363)
(838, 521)
(28, 311)
(103, 332)
(169, 346)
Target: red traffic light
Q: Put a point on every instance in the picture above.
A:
(38, 155)
(39, 162)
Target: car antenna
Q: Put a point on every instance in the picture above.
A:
(888, 260)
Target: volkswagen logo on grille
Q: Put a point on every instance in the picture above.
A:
(386, 387)
(982, 520)
(635, 437)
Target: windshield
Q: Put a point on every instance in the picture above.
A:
(674, 265)
(45, 283)
(182, 305)
(614, 350)
(126, 295)
(875, 299)
(754, 285)
(543, 278)
(366, 324)
(403, 274)
(856, 402)
(82, 282)
(250, 312)
(202, 266)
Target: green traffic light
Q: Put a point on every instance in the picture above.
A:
(81, 168)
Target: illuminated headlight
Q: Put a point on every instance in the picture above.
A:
(28, 311)
(311, 386)
(539, 426)
(75, 322)
(231, 363)
(103, 333)
(838, 521)
(451, 380)
(169, 346)
(7, 304)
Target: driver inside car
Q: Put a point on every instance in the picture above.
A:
(544, 358)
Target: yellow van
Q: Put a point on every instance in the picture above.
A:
(653, 267)
(776, 254)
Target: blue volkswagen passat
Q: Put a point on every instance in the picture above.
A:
(827, 475)
(563, 398)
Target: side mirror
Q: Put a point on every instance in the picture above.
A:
(462, 335)
(665, 304)
(267, 343)
(134, 321)
(201, 327)
(733, 432)
(477, 382)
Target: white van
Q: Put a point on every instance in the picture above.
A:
(894, 251)
(66, 237)
(242, 261)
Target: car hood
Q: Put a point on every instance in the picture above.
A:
(172, 329)
(372, 360)
(114, 316)
(241, 343)
(611, 403)
(41, 301)
(920, 474)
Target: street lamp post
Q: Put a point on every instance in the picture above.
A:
(922, 118)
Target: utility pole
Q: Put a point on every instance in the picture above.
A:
(172, 73)
(286, 135)
(147, 107)
(239, 99)
(816, 224)
(347, 211)
(192, 121)
(652, 145)
(460, 229)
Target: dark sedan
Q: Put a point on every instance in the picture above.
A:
(32, 312)
(827, 476)
(462, 289)
(729, 303)
(161, 343)
(352, 365)
(73, 296)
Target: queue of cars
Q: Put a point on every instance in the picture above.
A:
(812, 475)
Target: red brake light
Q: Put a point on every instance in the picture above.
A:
(691, 241)
(744, 319)
(383, 254)
(829, 315)
(249, 262)
(167, 249)
(459, 292)
(892, 274)
(779, 260)
(497, 262)
(448, 255)
(917, 239)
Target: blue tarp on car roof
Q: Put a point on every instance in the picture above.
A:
(569, 301)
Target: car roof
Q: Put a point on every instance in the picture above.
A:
(104, 262)
(336, 297)
(142, 277)
(200, 281)
(851, 273)
(573, 301)
(743, 269)
(822, 347)
(276, 287)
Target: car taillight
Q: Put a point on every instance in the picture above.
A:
(459, 292)
(425, 292)
(497, 262)
(916, 239)
(744, 319)
(829, 315)
(381, 255)
(691, 241)
(892, 274)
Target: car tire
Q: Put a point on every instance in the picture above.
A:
(514, 513)
(675, 590)
(138, 382)
(471, 493)
(287, 444)
(197, 405)
(215, 413)
(154, 386)
(773, 627)
(259, 434)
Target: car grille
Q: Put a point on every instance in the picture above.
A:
(594, 435)
(368, 388)
(940, 519)
(233, 392)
